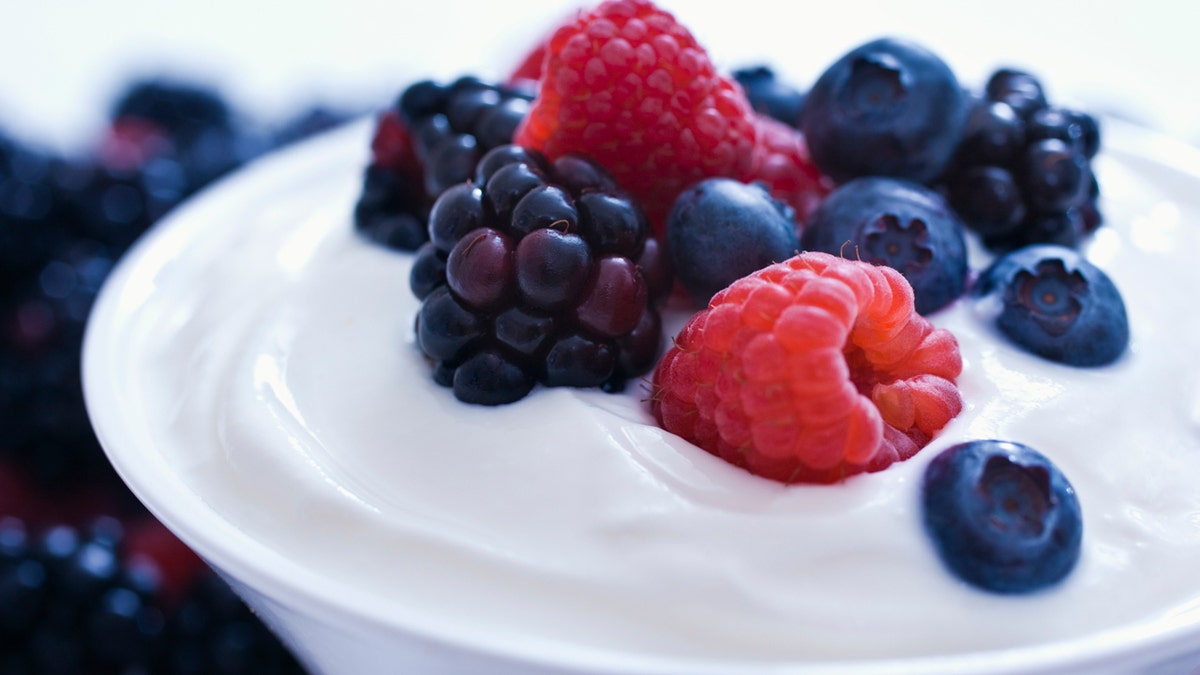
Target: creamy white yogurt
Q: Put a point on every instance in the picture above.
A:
(272, 353)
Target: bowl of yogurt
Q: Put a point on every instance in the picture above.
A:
(251, 372)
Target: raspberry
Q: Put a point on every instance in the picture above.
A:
(782, 163)
(627, 85)
(810, 370)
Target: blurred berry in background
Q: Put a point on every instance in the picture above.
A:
(89, 581)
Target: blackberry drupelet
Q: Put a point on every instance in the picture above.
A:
(1022, 173)
(537, 272)
(430, 140)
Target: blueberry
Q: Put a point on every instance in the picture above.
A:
(771, 96)
(909, 227)
(887, 108)
(720, 230)
(1052, 302)
(1002, 516)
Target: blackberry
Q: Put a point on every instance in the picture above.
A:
(70, 604)
(194, 125)
(33, 222)
(537, 272)
(85, 601)
(428, 141)
(1022, 173)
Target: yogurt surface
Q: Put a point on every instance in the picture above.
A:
(270, 354)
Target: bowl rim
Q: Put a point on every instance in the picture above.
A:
(112, 407)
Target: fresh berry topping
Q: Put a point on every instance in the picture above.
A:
(1022, 174)
(1002, 516)
(810, 370)
(771, 96)
(1022, 91)
(630, 87)
(429, 141)
(721, 230)
(886, 108)
(1050, 301)
(782, 164)
(541, 273)
(900, 224)
(627, 85)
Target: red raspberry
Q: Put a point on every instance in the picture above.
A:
(392, 147)
(530, 68)
(630, 86)
(782, 163)
(810, 370)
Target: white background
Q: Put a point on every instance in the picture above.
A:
(61, 61)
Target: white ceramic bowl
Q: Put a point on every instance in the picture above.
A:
(335, 627)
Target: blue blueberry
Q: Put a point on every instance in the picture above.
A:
(885, 221)
(771, 96)
(887, 108)
(1052, 302)
(720, 230)
(1002, 516)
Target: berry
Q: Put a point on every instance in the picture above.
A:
(769, 95)
(628, 86)
(1022, 174)
(429, 141)
(1018, 89)
(886, 108)
(810, 370)
(886, 221)
(1002, 516)
(721, 230)
(539, 272)
(1052, 302)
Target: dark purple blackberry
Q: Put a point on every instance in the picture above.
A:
(200, 129)
(41, 401)
(69, 604)
(34, 218)
(429, 141)
(540, 273)
(1022, 173)
(79, 601)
